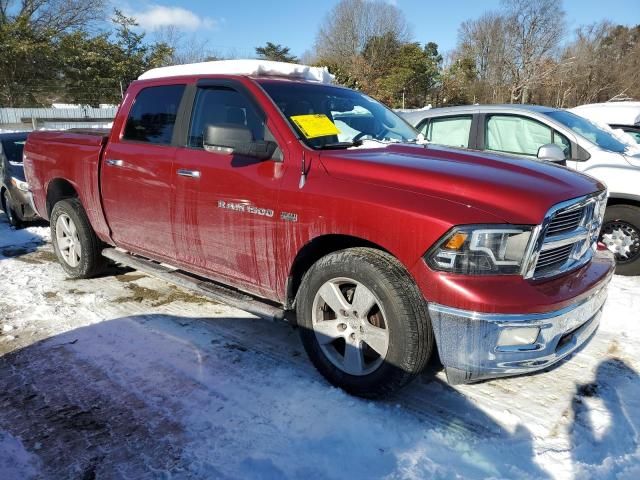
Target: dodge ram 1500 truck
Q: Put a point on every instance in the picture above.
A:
(269, 187)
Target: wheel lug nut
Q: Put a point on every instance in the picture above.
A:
(352, 336)
(355, 313)
(342, 326)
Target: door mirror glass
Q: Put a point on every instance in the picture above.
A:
(238, 140)
(551, 153)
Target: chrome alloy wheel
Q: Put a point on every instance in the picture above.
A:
(622, 238)
(68, 241)
(350, 326)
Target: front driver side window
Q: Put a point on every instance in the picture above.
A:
(224, 106)
(449, 131)
(521, 135)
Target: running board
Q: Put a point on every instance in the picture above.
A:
(195, 284)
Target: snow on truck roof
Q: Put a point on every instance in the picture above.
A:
(243, 67)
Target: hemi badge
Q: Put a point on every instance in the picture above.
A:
(289, 217)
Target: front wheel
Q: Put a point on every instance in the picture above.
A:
(74, 241)
(363, 322)
(621, 234)
(10, 210)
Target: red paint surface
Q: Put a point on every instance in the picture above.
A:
(402, 198)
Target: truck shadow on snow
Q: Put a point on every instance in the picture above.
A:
(17, 242)
(605, 415)
(220, 398)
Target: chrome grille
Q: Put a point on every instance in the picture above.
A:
(565, 221)
(567, 237)
(553, 258)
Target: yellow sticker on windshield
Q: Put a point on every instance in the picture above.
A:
(314, 126)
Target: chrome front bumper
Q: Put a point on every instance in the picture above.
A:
(468, 341)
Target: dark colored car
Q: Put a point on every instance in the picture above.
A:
(14, 191)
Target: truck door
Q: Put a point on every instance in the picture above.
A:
(137, 173)
(226, 203)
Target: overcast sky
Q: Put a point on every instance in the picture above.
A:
(238, 26)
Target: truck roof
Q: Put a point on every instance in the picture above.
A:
(253, 68)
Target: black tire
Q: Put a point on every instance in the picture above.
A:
(410, 333)
(10, 211)
(625, 219)
(91, 261)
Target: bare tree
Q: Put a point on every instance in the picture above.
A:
(483, 41)
(57, 16)
(534, 29)
(601, 63)
(348, 27)
(186, 48)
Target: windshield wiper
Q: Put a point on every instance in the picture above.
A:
(340, 145)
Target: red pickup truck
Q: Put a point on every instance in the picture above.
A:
(268, 187)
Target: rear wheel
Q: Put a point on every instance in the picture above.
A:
(621, 234)
(9, 210)
(74, 241)
(363, 322)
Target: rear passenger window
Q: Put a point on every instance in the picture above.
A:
(449, 131)
(153, 114)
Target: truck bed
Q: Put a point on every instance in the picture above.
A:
(58, 160)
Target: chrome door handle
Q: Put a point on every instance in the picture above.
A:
(189, 173)
(115, 163)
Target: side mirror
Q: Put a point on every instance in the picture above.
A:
(551, 153)
(238, 140)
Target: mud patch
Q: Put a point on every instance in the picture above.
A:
(157, 298)
(50, 295)
(37, 257)
(130, 277)
(75, 291)
(614, 349)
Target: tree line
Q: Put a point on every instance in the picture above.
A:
(518, 54)
(54, 51)
(51, 52)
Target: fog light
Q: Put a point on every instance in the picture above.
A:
(518, 336)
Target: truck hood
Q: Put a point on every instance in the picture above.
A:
(515, 190)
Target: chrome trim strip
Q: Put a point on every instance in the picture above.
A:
(516, 319)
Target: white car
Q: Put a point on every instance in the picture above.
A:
(522, 130)
(623, 116)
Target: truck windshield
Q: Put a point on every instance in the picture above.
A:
(588, 130)
(326, 116)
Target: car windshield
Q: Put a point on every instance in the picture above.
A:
(588, 130)
(326, 116)
(13, 150)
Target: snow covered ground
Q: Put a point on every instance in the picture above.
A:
(124, 376)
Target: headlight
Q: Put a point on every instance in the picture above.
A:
(481, 250)
(20, 185)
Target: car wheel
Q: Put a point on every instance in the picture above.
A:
(9, 210)
(74, 241)
(363, 322)
(621, 234)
